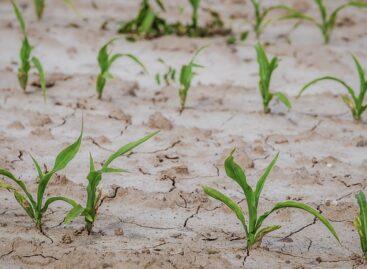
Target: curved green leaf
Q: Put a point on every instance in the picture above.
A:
(127, 148)
(261, 182)
(304, 207)
(66, 155)
(37, 64)
(228, 202)
(361, 221)
(349, 89)
(264, 231)
(284, 99)
(19, 16)
(20, 183)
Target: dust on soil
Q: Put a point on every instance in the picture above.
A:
(158, 216)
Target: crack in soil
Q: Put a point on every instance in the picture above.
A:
(40, 255)
(113, 196)
(303, 227)
(349, 185)
(8, 253)
(149, 227)
(193, 215)
(20, 157)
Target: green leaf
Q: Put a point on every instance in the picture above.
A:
(348, 102)
(66, 155)
(235, 172)
(113, 170)
(20, 183)
(91, 163)
(24, 204)
(19, 16)
(260, 184)
(147, 22)
(160, 4)
(6, 186)
(362, 219)
(127, 148)
(38, 168)
(349, 89)
(73, 213)
(362, 80)
(322, 9)
(284, 99)
(37, 64)
(293, 204)
(244, 36)
(39, 5)
(132, 57)
(228, 202)
(264, 231)
(76, 210)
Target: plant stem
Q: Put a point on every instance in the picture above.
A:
(88, 226)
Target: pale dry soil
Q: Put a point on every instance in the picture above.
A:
(156, 215)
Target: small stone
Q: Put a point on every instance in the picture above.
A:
(158, 121)
(212, 251)
(361, 143)
(66, 239)
(119, 232)
(17, 125)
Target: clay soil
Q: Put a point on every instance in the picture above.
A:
(156, 215)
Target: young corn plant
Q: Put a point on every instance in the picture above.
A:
(147, 23)
(105, 61)
(195, 4)
(266, 69)
(169, 76)
(360, 221)
(187, 74)
(212, 28)
(26, 58)
(261, 15)
(328, 21)
(36, 206)
(354, 101)
(94, 177)
(254, 229)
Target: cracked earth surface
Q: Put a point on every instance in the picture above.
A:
(156, 216)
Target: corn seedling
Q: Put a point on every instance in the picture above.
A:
(94, 177)
(361, 221)
(195, 4)
(26, 58)
(232, 40)
(355, 102)
(328, 21)
(214, 27)
(266, 69)
(35, 207)
(261, 15)
(169, 76)
(39, 6)
(147, 24)
(253, 228)
(187, 74)
(105, 61)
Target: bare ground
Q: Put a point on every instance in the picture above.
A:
(157, 216)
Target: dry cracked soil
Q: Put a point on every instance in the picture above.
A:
(157, 216)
